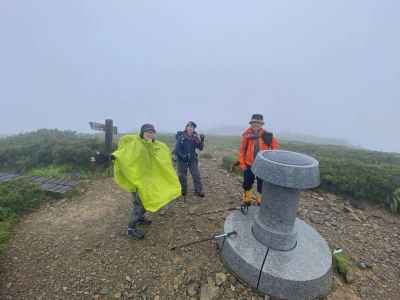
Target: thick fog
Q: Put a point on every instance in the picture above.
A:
(324, 68)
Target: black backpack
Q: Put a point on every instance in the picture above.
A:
(268, 137)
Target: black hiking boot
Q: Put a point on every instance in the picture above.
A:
(200, 194)
(145, 221)
(135, 233)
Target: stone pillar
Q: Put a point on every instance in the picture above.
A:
(284, 174)
(273, 251)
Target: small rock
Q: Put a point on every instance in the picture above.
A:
(192, 210)
(128, 278)
(349, 277)
(209, 292)
(364, 265)
(364, 292)
(105, 291)
(156, 297)
(358, 204)
(331, 197)
(376, 215)
(220, 279)
(348, 209)
(317, 220)
(355, 217)
(9, 285)
(193, 289)
(118, 296)
(65, 289)
(337, 281)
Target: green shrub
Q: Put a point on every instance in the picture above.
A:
(17, 197)
(231, 164)
(5, 227)
(46, 147)
(341, 262)
(51, 171)
(359, 180)
(394, 204)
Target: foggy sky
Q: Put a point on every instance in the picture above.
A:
(327, 68)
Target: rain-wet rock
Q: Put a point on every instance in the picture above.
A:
(193, 289)
(220, 279)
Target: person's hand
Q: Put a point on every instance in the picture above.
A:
(202, 137)
(101, 158)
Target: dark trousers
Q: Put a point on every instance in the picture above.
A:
(193, 167)
(138, 211)
(248, 181)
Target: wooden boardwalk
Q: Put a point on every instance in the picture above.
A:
(55, 185)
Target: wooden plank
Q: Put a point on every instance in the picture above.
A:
(73, 183)
(61, 181)
(51, 180)
(8, 177)
(97, 126)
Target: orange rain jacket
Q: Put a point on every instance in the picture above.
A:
(247, 146)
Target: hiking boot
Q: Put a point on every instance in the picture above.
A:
(144, 221)
(247, 196)
(258, 199)
(200, 194)
(135, 233)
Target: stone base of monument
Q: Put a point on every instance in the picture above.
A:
(303, 272)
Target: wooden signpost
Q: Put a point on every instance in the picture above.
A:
(109, 130)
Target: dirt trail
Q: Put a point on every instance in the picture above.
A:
(77, 248)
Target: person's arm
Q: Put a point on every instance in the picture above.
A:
(242, 153)
(199, 141)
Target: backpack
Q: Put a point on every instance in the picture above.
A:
(267, 138)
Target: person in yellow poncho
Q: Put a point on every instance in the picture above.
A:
(143, 166)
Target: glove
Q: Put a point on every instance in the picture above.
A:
(202, 137)
(101, 158)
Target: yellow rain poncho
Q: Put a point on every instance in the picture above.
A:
(146, 167)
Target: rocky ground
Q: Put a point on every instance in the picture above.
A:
(77, 248)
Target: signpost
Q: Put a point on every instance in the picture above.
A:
(109, 130)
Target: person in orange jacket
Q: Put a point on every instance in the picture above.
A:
(254, 139)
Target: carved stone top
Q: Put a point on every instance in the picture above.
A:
(287, 169)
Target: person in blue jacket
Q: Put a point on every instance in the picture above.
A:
(187, 144)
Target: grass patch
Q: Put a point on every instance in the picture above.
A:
(230, 163)
(5, 228)
(16, 198)
(51, 171)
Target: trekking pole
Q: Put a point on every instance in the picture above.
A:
(215, 237)
(218, 211)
